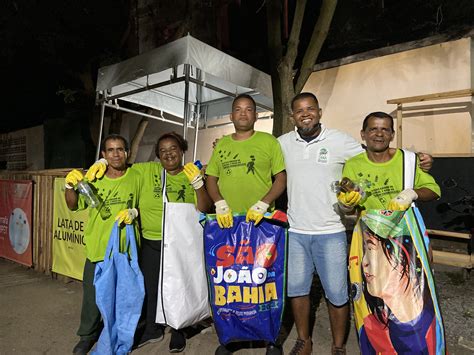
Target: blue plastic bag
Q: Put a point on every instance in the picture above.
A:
(120, 290)
(246, 271)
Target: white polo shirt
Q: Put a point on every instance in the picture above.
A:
(311, 168)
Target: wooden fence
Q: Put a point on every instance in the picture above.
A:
(43, 199)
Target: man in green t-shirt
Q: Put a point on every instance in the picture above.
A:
(379, 172)
(184, 184)
(240, 173)
(118, 192)
(242, 166)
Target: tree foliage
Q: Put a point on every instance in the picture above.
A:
(287, 80)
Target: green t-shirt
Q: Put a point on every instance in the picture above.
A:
(114, 195)
(383, 181)
(245, 168)
(178, 189)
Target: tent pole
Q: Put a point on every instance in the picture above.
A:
(186, 100)
(101, 127)
(197, 113)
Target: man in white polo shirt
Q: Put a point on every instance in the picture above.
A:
(314, 158)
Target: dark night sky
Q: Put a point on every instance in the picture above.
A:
(46, 43)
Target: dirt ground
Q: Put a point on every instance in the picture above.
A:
(39, 315)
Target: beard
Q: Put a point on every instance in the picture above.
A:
(309, 131)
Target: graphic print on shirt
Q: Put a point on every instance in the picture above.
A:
(107, 199)
(323, 155)
(230, 162)
(251, 165)
(382, 191)
(181, 193)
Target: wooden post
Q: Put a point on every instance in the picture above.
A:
(399, 125)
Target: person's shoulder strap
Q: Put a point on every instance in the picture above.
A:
(163, 185)
(409, 168)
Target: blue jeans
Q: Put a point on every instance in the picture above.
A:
(325, 254)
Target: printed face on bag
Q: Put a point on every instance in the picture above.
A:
(383, 276)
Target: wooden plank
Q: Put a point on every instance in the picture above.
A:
(49, 224)
(36, 190)
(454, 155)
(449, 234)
(397, 48)
(431, 97)
(452, 259)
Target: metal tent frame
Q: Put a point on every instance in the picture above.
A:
(185, 78)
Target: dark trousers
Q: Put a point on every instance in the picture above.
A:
(149, 260)
(91, 324)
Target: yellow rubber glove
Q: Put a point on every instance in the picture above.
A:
(403, 200)
(256, 212)
(97, 170)
(194, 176)
(72, 178)
(224, 214)
(349, 199)
(127, 216)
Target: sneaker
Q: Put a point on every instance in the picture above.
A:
(302, 347)
(273, 349)
(84, 346)
(223, 350)
(151, 336)
(177, 341)
(338, 351)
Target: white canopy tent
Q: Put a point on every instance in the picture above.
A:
(185, 78)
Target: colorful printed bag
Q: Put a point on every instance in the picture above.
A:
(246, 270)
(392, 286)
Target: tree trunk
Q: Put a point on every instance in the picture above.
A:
(137, 138)
(285, 73)
(285, 84)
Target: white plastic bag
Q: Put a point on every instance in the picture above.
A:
(182, 287)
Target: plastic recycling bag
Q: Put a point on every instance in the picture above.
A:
(182, 287)
(395, 304)
(120, 290)
(246, 270)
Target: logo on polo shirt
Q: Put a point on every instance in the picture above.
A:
(323, 156)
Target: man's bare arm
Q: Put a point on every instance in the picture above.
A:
(278, 187)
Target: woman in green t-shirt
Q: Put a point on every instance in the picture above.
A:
(183, 184)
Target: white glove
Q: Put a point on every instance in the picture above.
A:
(256, 212)
(403, 200)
